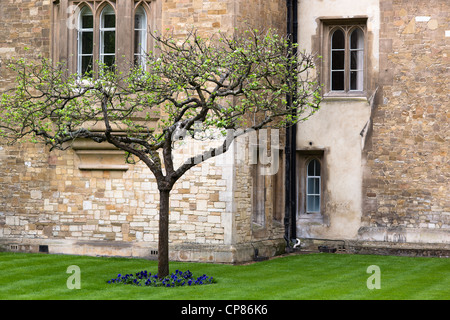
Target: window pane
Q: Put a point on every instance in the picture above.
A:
(356, 80)
(87, 42)
(313, 204)
(310, 184)
(138, 45)
(316, 203)
(317, 186)
(356, 70)
(139, 19)
(356, 60)
(310, 204)
(109, 21)
(337, 80)
(109, 41)
(138, 60)
(86, 64)
(87, 21)
(357, 39)
(311, 168)
(109, 60)
(316, 168)
(313, 186)
(338, 58)
(338, 40)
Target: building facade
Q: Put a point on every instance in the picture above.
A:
(369, 170)
(381, 136)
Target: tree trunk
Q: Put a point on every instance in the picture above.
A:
(163, 244)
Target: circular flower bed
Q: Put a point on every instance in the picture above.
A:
(176, 279)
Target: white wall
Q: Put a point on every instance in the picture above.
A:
(337, 126)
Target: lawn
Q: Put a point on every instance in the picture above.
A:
(295, 277)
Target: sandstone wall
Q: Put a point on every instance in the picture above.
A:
(45, 199)
(408, 172)
(25, 31)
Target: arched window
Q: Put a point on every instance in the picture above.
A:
(140, 36)
(338, 60)
(108, 36)
(356, 59)
(85, 52)
(313, 189)
(347, 59)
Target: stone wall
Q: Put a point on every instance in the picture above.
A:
(406, 185)
(46, 200)
(25, 31)
(224, 15)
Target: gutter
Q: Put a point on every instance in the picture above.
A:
(290, 228)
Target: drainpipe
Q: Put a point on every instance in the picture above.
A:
(291, 146)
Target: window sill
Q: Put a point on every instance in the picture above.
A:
(356, 96)
(310, 218)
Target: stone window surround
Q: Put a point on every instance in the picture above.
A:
(313, 178)
(65, 22)
(304, 157)
(327, 26)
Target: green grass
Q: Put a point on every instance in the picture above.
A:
(310, 276)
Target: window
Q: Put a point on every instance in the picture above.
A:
(356, 59)
(311, 184)
(344, 56)
(313, 188)
(140, 36)
(108, 36)
(108, 32)
(85, 41)
(337, 60)
(347, 59)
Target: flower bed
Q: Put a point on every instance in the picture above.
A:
(176, 279)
